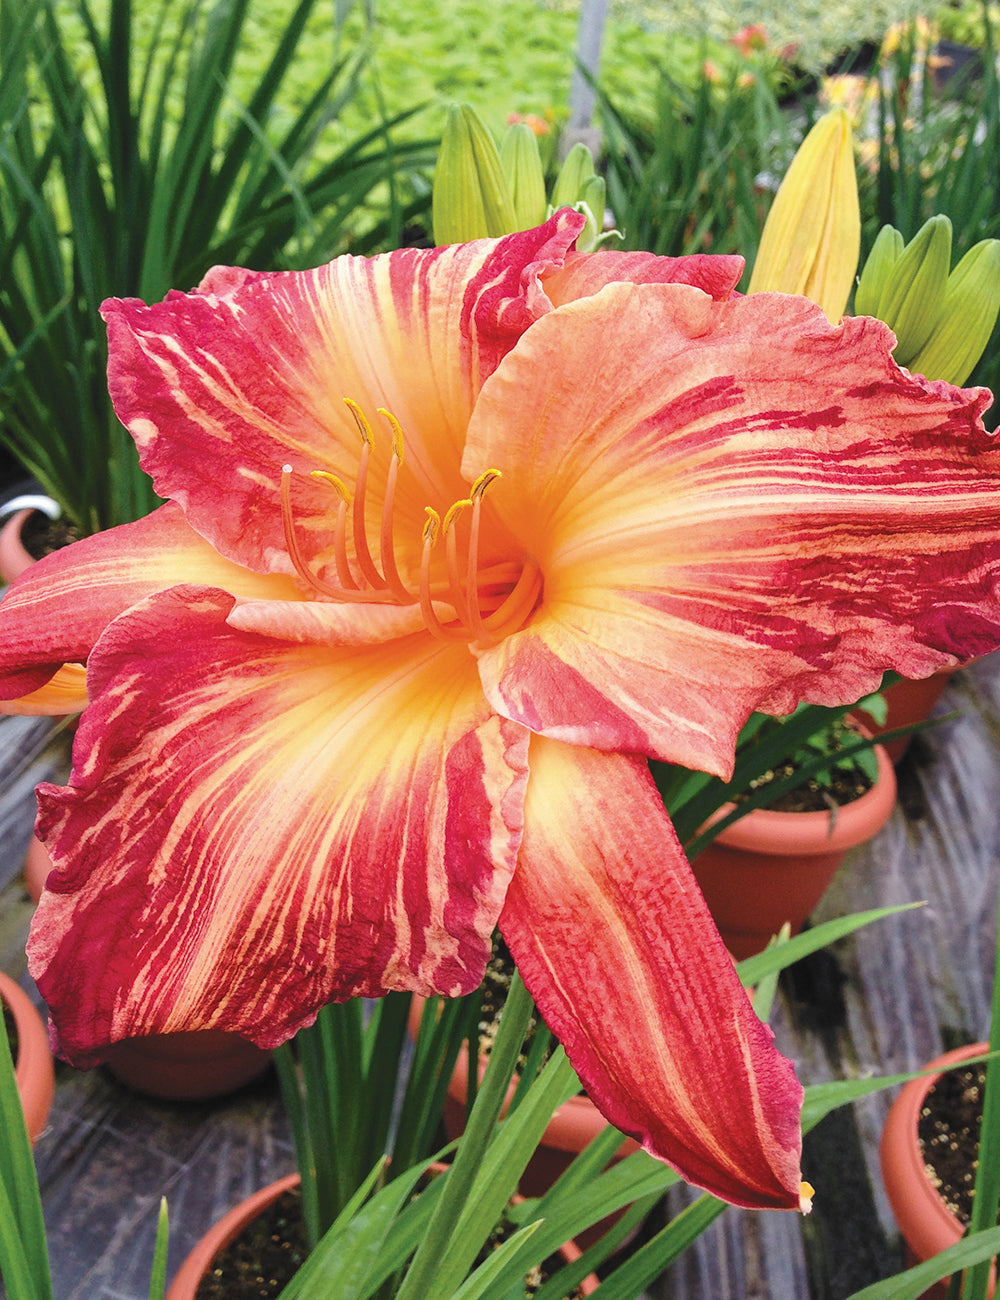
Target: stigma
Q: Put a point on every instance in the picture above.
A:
(458, 600)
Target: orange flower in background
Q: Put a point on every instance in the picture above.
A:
(749, 39)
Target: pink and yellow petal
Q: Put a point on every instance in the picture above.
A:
(734, 506)
(255, 828)
(64, 692)
(55, 612)
(222, 387)
(615, 943)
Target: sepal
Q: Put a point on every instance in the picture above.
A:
(968, 314)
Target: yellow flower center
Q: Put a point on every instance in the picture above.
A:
(486, 604)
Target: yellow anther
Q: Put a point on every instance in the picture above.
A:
(483, 482)
(432, 527)
(335, 483)
(806, 1194)
(397, 432)
(453, 512)
(364, 428)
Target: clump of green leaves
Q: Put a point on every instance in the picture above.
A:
(138, 181)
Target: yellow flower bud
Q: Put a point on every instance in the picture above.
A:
(471, 198)
(968, 314)
(522, 167)
(812, 235)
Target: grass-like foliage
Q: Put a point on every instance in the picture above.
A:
(141, 187)
(688, 179)
(938, 152)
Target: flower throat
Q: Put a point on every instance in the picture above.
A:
(486, 604)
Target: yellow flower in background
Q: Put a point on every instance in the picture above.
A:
(812, 236)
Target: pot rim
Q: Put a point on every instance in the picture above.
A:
(185, 1283)
(793, 833)
(14, 558)
(927, 1225)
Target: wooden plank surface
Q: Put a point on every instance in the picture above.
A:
(883, 1001)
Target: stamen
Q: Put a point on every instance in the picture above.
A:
(364, 428)
(291, 542)
(365, 561)
(478, 606)
(512, 612)
(387, 547)
(344, 575)
(456, 592)
(397, 432)
(475, 624)
(432, 529)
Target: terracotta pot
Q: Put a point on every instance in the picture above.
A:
(199, 1261)
(908, 702)
(573, 1126)
(190, 1066)
(37, 865)
(926, 1223)
(34, 1071)
(772, 867)
(185, 1284)
(14, 559)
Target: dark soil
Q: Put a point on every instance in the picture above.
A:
(41, 536)
(496, 985)
(842, 788)
(948, 1132)
(264, 1258)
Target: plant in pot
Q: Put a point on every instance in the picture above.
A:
(765, 845)
(941, 1178)
(383, 1224)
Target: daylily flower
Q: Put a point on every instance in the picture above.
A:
(384, 673)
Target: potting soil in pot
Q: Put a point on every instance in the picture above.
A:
(41, 535)
(948, 1132)
(260, 1262)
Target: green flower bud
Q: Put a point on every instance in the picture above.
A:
(885, 253)
(913, 293)
(591, 204)
(522, 168)
(967, 317)
(573, 175)
(471, 198)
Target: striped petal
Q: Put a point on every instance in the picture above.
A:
(616, 945)
(56, 611)
(222, 387)
(734, 506)
(254, 828)
(587, 273)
